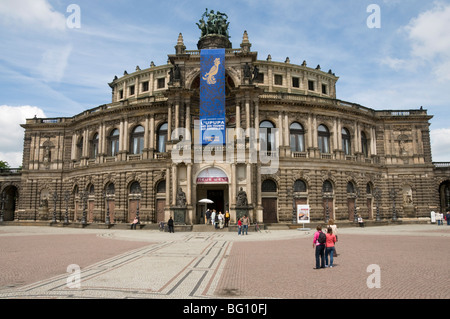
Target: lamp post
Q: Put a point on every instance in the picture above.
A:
(356, 195)
(84, 197)
(392, 194)
(377, 195)
(55, 199)
(326, 195)
(66, 199)
(107, 219)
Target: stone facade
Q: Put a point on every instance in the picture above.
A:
(340, 158)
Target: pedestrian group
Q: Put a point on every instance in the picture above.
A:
(324, 244)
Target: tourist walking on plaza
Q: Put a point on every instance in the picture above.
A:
(170, 224)
(245, 222)
(331, 240)
(239, 226)
(439, 218)
(335, 232)
(319, 242)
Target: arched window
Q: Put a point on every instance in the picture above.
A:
(350, 188)
(327, 187)
(110, 189)
(162, 138)
(300, 186)
(94, 146)
(91, 189)
(297, 135)
(137, 140)
(267, 136)
(323, 139)
(369, 188)
(113, 148)
(135, 188)
(79, 148)
(346, 146)
(269, 186)
(364, 148)
(161, 187)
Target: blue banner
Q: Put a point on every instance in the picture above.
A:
(212, 96)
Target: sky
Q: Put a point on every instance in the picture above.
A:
(57, 57)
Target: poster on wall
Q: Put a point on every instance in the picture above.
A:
(212, 96)
(303, 214)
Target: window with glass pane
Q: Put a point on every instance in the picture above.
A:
(94, 146)
(327, 187)
(350, 188)
(162, 138)
(364, 148)
(266, 136)
(114, 142)
(137, 140)
(80, 148)
(323, 139)
(346, 141)
(297, 134)
(299, 186)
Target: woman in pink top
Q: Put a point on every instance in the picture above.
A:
(331, 239)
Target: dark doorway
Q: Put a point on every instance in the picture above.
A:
(269, 210)
(216, 196)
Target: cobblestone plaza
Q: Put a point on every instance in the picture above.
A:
(411, 261)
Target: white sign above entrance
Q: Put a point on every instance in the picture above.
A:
(212, 175)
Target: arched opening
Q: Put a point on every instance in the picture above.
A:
(9, 198)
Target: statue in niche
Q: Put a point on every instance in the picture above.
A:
(181, 198)
(241, 198)
(255, 74)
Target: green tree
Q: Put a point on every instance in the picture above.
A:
(4, 164)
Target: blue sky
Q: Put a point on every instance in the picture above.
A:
(52, 70)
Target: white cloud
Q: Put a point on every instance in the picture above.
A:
(429, 32)
(11, 141)
(54, 63)
(429, 42)
(440, 144)
(36, 14)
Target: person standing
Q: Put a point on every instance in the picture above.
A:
(331, 240)
(170, 224)
(335, 232)
(227, 218)
(213, 216)
(220, 218)
(319, 244)
(239, 226)
(447, 216)
(208, 216)
(245, 222)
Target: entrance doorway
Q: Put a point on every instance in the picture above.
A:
(216, 195)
